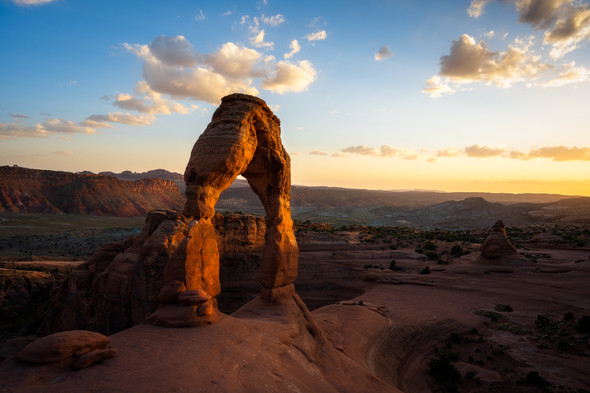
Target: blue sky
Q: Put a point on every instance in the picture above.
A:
(475, 95)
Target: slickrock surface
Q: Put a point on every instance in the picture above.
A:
(264, 347)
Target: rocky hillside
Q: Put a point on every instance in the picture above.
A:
(25, 190)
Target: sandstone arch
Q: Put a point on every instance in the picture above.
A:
(243, 138)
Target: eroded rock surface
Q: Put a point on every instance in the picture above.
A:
(62, 345)
(243, 138)
(119, 286)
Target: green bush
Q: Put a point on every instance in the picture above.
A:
(430, 246)
(426, 270)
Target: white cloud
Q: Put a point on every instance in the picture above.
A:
(95, 124)
(450, 152)
(44, 129)
(62, 126)
(227, 13)
(295, 47)
(289, 77)
(340, 155)
(17, 130)
(234, 61)
(317, 36)
(565, 23)
(383, 53)
(334, 112)
(436, 87)
(197, 83)
(123, 118)
(363, 150)
(470, 61)
(258, 41)
(318, 153)
(489, 34)
(273, 20)
(31, 2)
(476, 7)
(478, 151)
(151, 102)
(389, 151)
(172, 67)
(173, 51)
(556, 153)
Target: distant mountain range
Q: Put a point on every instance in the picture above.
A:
(130, 193)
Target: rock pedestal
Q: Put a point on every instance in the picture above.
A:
(243, 138)
(497, 245)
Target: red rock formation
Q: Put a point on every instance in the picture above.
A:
(38, 191)
(62, 345)
(497, 246)
(243, 138)
(119, 285)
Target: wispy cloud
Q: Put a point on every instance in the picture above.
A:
(295, 47)
(123, 118)
(24, 3)
(44, 129)
(16, 116)
(383, 53)
(483, 151)
(318, 153)
(200, 16)
(317, 36)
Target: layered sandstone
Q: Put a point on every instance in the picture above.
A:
(118, 287)
(243, 138)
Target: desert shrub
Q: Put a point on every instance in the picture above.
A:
(393, 247)
(456, 338)
(583, 325)
(469, 375)
(367, 266)
(493, 316)
(568, 316)
(430, 246)
(419, 250)
(444, 374)
(534, 379)
(456, 250)
(393, 266)
(426, 270)
(542, 321)
(431, 255)
(503, 308)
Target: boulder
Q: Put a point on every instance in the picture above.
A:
(62, 345)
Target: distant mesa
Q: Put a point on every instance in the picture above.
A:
(25, 190)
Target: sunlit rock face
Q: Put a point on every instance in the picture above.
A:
(497, 245)
(243, 138)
